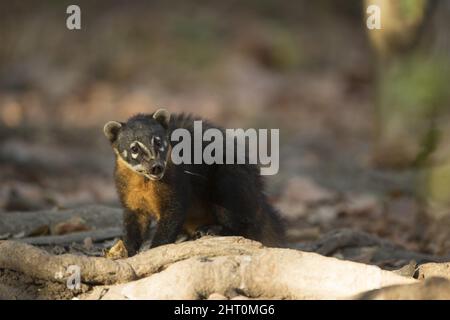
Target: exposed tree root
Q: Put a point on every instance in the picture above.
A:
(196, 269)
(430, 289)
(38, 263)
(353, 243)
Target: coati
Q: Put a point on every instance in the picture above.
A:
(198, 199)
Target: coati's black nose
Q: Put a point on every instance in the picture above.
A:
(156, 170)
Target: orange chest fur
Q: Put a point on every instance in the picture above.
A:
(137, 193)
(148, 197)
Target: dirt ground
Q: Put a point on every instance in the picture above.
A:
(308, 72)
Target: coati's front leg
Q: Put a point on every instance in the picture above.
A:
(136, 230)
(169, 225)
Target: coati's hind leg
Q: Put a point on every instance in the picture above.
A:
(246, 212)
(235, 194)
(211, 230)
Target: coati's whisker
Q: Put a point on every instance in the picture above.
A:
(194, 174)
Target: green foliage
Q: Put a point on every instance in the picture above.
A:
(413, 93)
(411, 10)
(283, 48)
(438, 185)
(416, 86)
(197, 40)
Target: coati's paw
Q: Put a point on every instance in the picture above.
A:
(209, 230)
(182, 237)
(145, 246)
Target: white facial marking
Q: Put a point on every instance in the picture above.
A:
(134, 155)
(143, 148)
(138, 167)
(124, 153)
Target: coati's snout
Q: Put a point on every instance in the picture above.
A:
(142, 143)
(157, 169)
(154, 171)
(148, 161)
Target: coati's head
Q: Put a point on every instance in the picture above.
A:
(142, 142)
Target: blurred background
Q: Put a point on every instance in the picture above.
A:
(363, 115)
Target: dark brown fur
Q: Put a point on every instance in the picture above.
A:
(228, 198)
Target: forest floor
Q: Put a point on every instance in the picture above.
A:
(53, 155)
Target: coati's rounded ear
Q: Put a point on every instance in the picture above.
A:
(111, 130)
(163, 117)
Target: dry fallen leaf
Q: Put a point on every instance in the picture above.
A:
(5, 236)
(42, 230)
(117, 251)
(74, 224)
(19, 235)
(88, 244)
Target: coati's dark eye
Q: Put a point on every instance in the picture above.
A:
(157, 142)
(134, 149)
